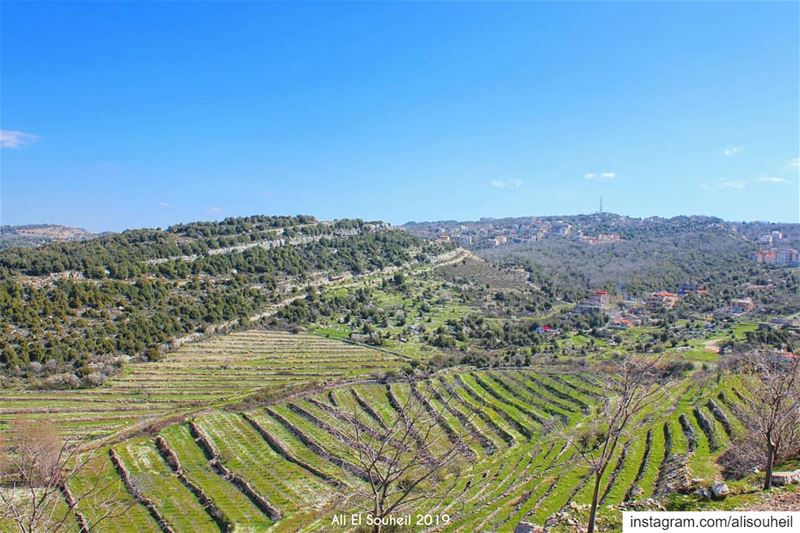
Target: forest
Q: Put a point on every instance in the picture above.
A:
(87, 305)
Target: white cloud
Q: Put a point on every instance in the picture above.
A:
(795, 162)
(16, 139)
(730, 184)
(215, 211)
(600, 176)
(164, 205)
(732, 150)
(506, 184)
(741, 184)
(769, 179)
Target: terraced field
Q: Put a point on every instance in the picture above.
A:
(288, 466)
(215, 371)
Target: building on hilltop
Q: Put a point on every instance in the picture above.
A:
(765, 257)
(600, 298)
(602, 238)
(787, 257)
(622, 323)
(662, 300)
(547, 330)
(598, 301)
(778, 257)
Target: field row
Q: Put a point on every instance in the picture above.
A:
(288, 466)
(215, 370)
(297, 458)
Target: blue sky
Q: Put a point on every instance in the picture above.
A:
(119, 115)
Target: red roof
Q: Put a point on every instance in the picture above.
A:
(600, 291)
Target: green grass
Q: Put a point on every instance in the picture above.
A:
(155, 480)
(235, 506)
(242, 450)
(209, 373)
(530, 480)
(100, 484)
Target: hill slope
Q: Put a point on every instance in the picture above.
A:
(78, 307)
(39, 234)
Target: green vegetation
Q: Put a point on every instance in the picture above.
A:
(292, 455)
(212, 372)
(77, 311)
(215, 367)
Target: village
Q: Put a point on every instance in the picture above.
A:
(774, 253)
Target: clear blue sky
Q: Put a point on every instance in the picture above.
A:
(118, 115)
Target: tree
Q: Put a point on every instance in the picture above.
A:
(771, 414)
(631, 387)
(400, 459)
(36, 476)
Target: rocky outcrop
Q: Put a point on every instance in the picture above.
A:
(527, 527)
(721, 417)
(673, 474)
(719, 490)
(707, 428)
(785, 478)
(688, 432)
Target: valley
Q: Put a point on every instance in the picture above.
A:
(257, 418)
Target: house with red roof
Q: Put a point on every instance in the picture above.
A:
(662, 300)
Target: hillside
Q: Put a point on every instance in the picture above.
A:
(39, 234)
(634, 257)
(297, 469)
(231, 376)
(75, 311)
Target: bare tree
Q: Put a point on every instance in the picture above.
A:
(631, 387)
(37, 472)
(402, 458)
(772, 414)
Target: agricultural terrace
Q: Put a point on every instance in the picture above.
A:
(288, 466)
(196, 376)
